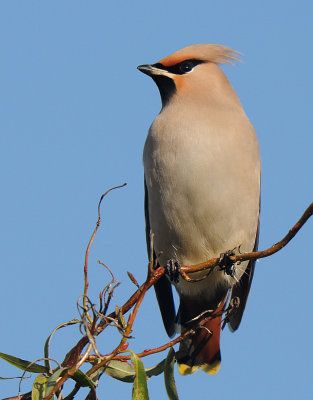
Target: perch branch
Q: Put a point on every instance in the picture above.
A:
(255, 254)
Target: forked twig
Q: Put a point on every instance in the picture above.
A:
(86, 284)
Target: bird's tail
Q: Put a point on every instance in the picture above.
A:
(202, 350)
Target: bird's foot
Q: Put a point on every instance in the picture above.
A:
(173, 270)
(226, 264)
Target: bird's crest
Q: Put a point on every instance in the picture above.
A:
(214, 53)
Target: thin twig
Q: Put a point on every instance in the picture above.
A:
(86, 284)
(25, 396)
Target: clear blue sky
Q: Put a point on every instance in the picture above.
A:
(74, 113)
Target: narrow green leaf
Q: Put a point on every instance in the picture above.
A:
(140, 388)
(39, 387)
(83, 379)
(47, 343)
(120, 370)
(156, 370)
(52, 380)
(123, 371)
(169, 376)
(23, 364)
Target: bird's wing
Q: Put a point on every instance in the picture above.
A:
(163, 287)
(241, 290)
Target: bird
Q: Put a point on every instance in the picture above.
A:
(202, 175)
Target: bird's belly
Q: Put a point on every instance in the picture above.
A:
(196, 213)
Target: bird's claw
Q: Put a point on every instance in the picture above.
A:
(173, 270)
(226, 264)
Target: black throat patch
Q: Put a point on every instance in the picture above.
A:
(166, 87)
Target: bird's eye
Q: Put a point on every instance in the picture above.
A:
(185, 67)
(181, 68)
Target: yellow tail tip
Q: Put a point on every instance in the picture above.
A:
(185, 369)
(210, 369)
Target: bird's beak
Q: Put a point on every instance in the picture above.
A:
(146, 69)
(152, 70)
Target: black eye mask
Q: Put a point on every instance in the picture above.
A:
(181, 68)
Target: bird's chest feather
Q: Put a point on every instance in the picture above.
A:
(192, 175)
(187, 186)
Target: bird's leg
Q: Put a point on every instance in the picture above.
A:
(173, 270)
(226, 264)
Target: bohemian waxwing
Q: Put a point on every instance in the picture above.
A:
(202, 190)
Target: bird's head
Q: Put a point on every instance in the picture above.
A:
(190, 69)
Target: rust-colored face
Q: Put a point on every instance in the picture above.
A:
(173, 74)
